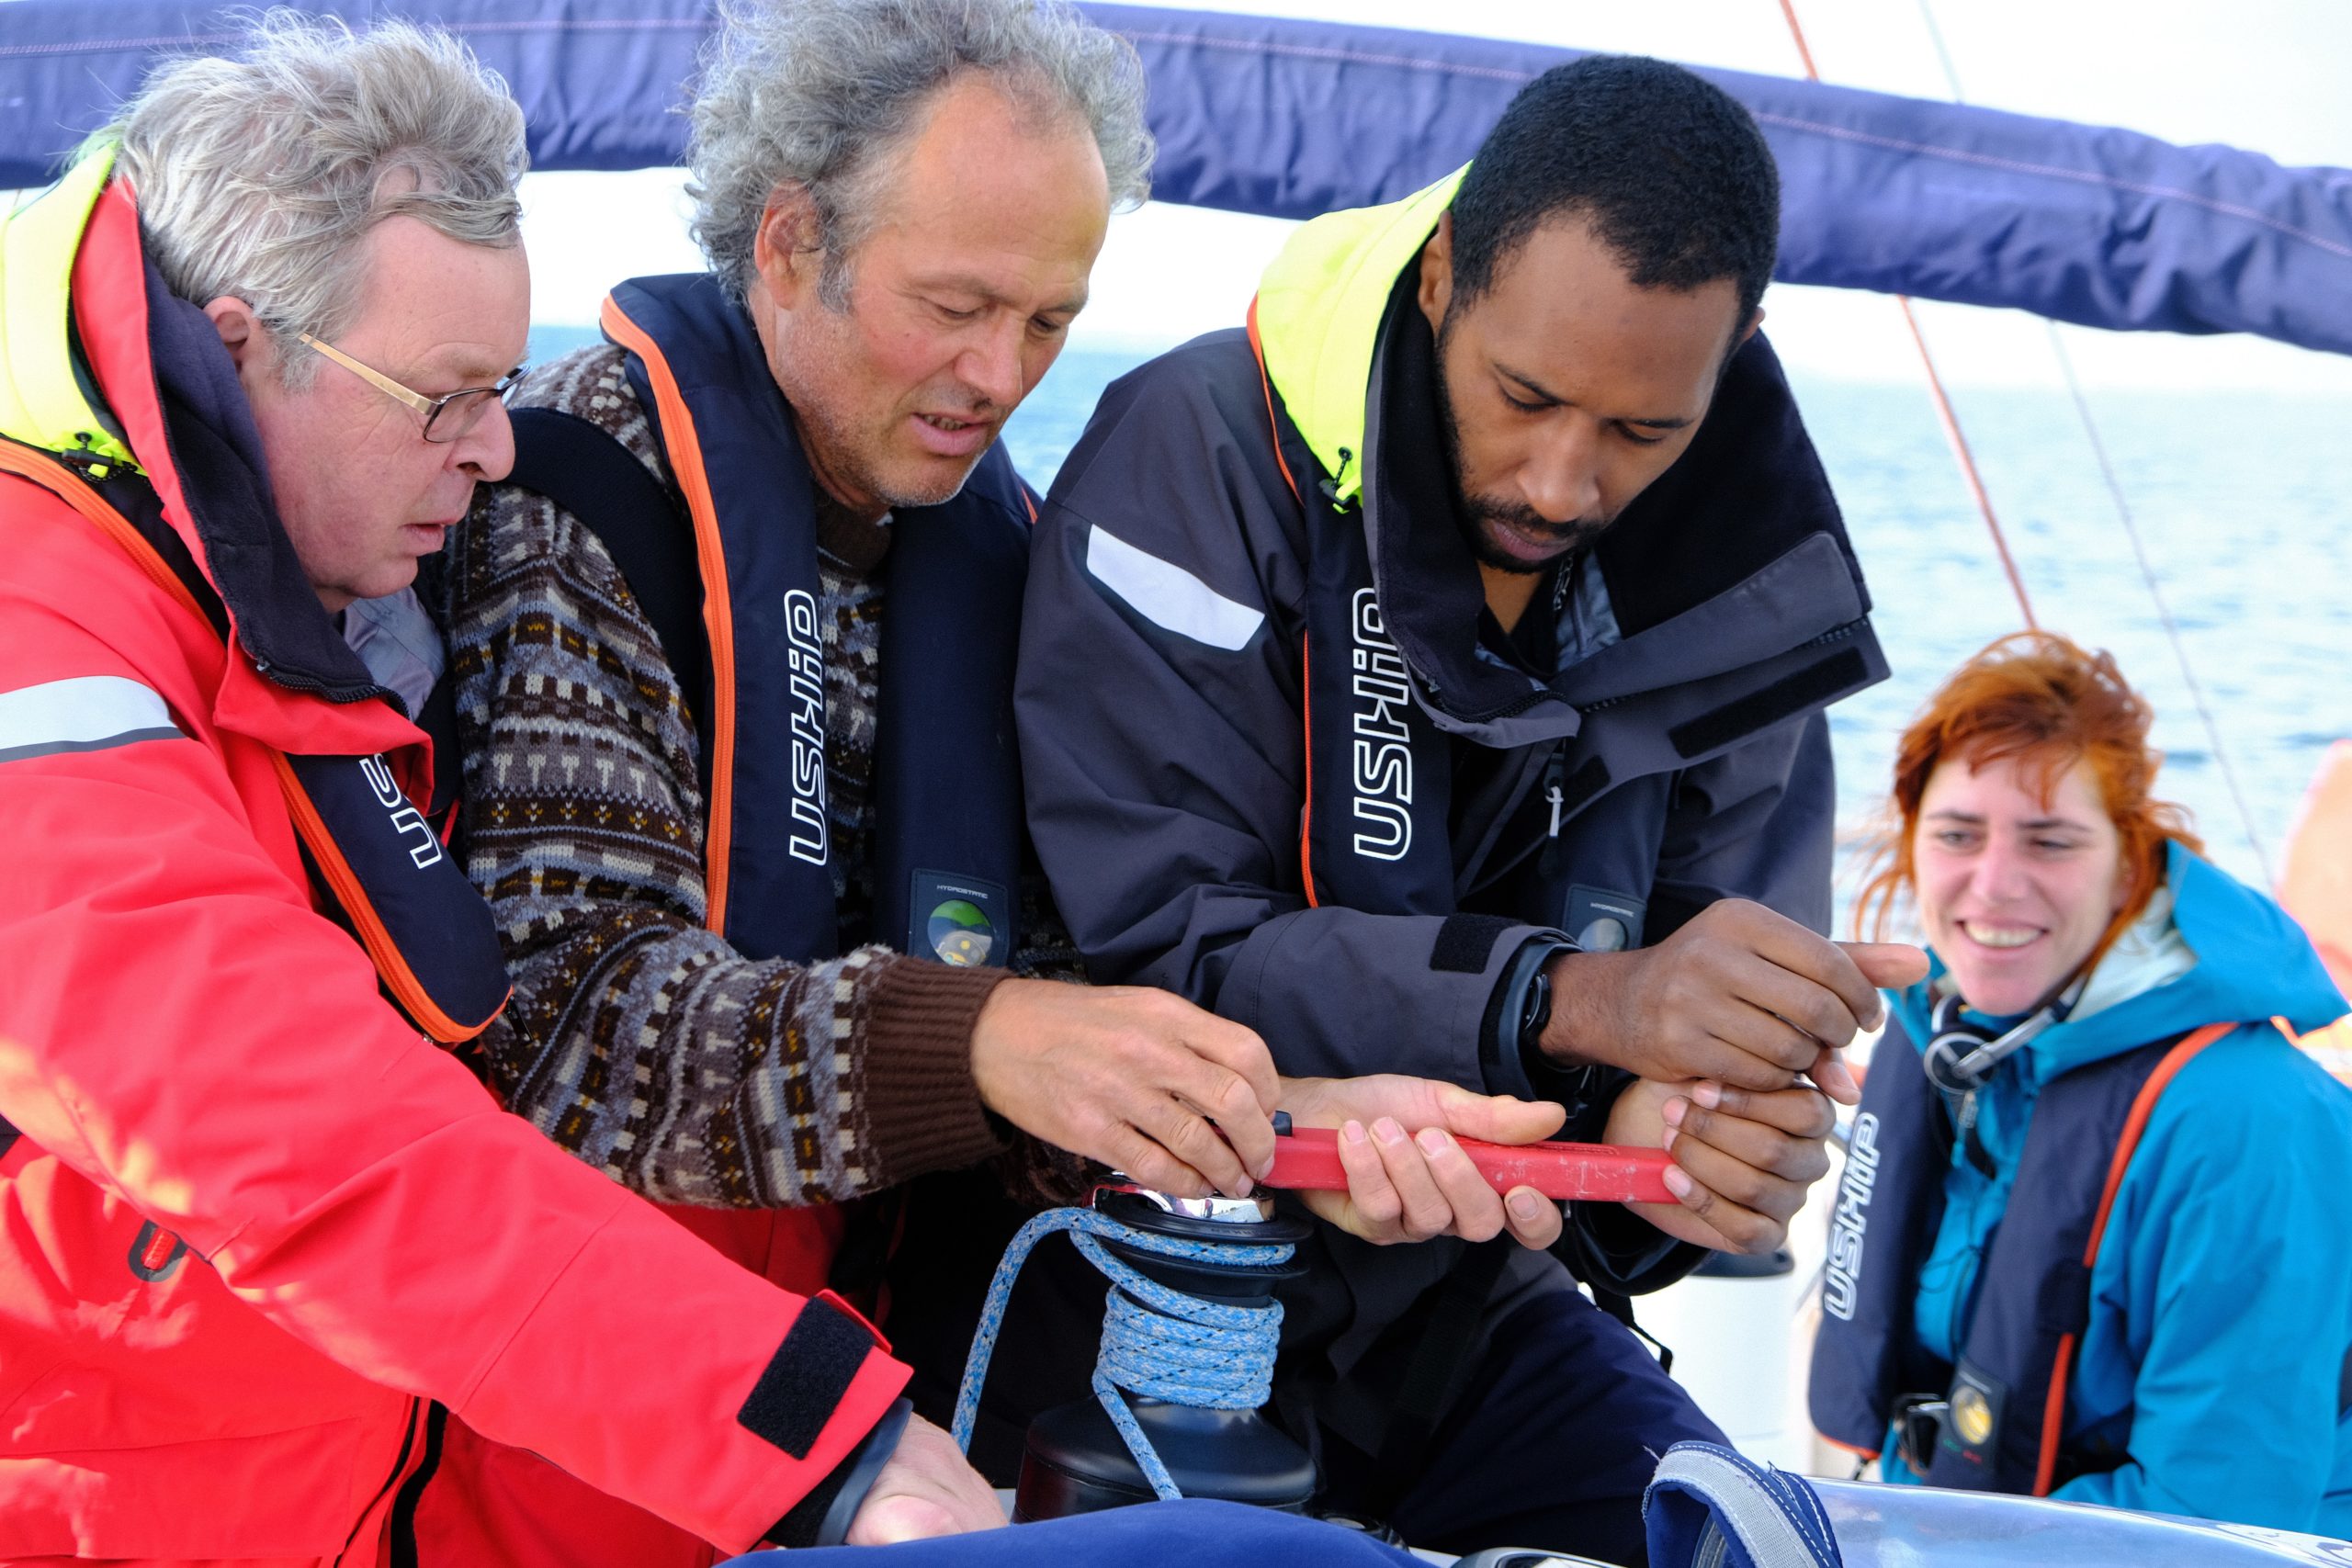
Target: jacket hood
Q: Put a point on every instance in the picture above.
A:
(103, 363)
(2209, 950)
(1319, 312)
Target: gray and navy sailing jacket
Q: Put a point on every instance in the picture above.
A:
(1274, 764)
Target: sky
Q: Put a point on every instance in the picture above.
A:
(2271, 75)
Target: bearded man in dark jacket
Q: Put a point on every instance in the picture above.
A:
(1431, 678)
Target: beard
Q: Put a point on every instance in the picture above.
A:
(866, 462)
(1483, 517)
(856, 445)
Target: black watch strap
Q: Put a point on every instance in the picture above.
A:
(1536, 1016)
(822, 1518)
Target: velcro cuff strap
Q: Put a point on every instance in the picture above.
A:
(796, 1396)
(1464, 942)
(1791, 694)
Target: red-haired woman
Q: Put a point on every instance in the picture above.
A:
(2093, 1239)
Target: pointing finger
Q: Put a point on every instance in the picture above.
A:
(1499, 1118)
(1892, 964)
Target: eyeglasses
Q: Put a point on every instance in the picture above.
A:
(448, 418)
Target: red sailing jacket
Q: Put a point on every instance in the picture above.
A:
(255, 1224)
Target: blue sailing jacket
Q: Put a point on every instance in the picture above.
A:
(2222, 1295)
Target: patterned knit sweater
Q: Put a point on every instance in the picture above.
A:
(637, 1038)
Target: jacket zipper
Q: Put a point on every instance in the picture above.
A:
(343, 697)
(408, 1446)
(403, 1520)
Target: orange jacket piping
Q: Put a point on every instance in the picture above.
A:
(685, 452)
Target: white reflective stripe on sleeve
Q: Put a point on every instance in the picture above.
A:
(86, 712)
(1168, 596)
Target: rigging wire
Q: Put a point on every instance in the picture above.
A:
(2115, 492)
(2163, 610)
(1944, 412)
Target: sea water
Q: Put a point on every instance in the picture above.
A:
(2242, 501)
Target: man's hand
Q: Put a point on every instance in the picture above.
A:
(1133, 1078)
(926, 1488)
(1743, 1159)
(1407, 1179)
(1742, 995)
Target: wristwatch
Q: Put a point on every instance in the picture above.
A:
(1535, 1015)
(1577, 1088)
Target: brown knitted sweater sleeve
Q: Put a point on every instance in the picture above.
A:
(638, 1039)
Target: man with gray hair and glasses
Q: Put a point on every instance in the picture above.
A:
(733, 652)
(265, 1240)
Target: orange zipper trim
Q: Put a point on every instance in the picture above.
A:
(74, 491)
(390, 964)
(717, 617)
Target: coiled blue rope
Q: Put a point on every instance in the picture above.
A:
(1158, 1343)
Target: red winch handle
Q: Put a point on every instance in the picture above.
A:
(1308, 1159)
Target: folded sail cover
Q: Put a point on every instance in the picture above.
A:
(2101, 227)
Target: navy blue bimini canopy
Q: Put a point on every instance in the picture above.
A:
(2101, 227)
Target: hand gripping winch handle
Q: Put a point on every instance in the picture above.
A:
(1308, 1159)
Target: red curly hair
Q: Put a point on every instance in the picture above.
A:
(2038, 698)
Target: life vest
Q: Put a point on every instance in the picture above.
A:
(946, 775)
(2005, 1429)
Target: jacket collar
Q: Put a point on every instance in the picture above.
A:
(2208, 950)
(1321, 306)
(1735, 556)
(44, 402)
(163, 374)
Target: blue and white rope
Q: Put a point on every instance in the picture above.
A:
(1158, 1342)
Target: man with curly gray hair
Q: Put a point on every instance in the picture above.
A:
(734, 657)
(267, 1244)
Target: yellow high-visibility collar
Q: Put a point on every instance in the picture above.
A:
(42, 402)
(1319, 306)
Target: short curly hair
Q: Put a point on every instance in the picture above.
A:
(819, 93)
(1672, 174)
